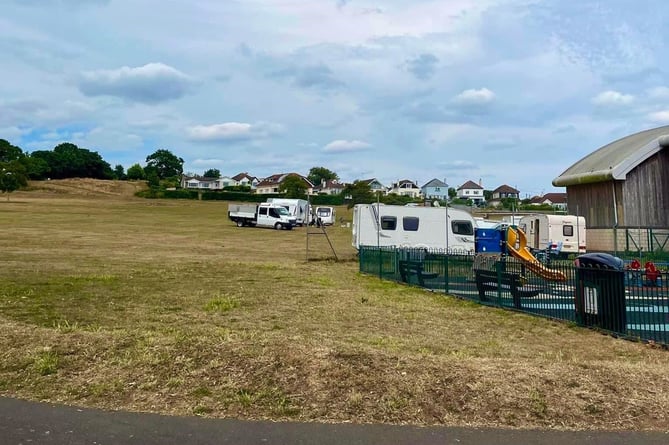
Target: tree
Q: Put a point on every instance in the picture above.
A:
(319, 174)
(165, 164)
(358, 193)
(135, 172)
(12, 176)
(452, 193)
(69, 161)
(119, 172)
(9, 152)
(212, 173)
(293, 187)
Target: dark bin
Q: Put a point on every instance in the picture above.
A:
(600, 292)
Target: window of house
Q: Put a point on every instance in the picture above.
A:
(462, 227)
(568, 230)
(410, 223)
(388, 223)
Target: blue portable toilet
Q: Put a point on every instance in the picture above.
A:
(488, 241)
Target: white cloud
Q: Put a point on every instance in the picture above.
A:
(151, 83)
(232, 131)
(481, 96)
(659, 116)
(661, 93)
(343, 146)
(612, 98)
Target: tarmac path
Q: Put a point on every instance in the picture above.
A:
(24, 423)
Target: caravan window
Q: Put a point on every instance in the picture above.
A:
(462, 227)
(568, 230)
(410, 223)
(388, 223)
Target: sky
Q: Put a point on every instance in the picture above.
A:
(494, 91)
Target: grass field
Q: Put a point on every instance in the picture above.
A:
(165, 306)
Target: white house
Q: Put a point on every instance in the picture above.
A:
(246, 180)
(272, 184)
(203, 183)
(471, 190)
(405, 188)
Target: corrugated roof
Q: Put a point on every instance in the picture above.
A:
(615, 160)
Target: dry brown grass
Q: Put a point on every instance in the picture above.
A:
(165, 306)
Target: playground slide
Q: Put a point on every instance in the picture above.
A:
(523, 253)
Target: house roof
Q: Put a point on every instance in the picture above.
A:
(505, 189)
(435, 183)
(332, 184)
(617, 159)
(555, 198)
(403, 183)
(470, 185)
(279, 177)
(240, 176)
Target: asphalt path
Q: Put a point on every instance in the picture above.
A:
(24, 423)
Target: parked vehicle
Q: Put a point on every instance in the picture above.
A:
(565, 233)
(297, 208)
(388, 225)
(326, 215)
(262, 215)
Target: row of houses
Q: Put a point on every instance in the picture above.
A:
(434, 189)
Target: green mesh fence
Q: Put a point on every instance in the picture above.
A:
(631, 303)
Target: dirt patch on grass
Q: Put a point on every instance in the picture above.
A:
(85, 187)
(167, 307)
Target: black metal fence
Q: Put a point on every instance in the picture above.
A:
(627, 302)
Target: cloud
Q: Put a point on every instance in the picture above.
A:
(474, 97)
(423, 66)
(660, 93)
(459, 165)
(612, 98)
(319, 77)
(151, 83)
(659, 116)
(232, 132)
(343, 146)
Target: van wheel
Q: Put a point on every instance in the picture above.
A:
(240, 223)
(277, 226)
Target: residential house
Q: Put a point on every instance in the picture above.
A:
(557, 200)
(272, 184)
(503, 192)
(329, 187)
(245, 179)
(405, 187)
(375, 185)
(471, 190)
(204, 183)
(435, 189)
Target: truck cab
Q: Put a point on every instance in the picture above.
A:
(271, 215)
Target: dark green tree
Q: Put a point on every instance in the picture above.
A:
(358, 193)
(153, 179)
(212, 173)
(12, 176)
(135, 172)
(319, 174)
(487, 195)
(9, 152)
(165, 164)
(36, 168)
(69, 161)
(452, 193)
(119, 172)
(293, 187)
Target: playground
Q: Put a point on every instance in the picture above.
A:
(597, 290)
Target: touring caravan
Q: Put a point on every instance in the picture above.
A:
(298, 208)
(565, 233)
(326, 215)
(389, 225)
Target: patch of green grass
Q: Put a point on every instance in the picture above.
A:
(221, 304)
(201, 410)
(201, 391)
(46, 361)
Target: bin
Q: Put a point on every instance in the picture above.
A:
(600, 292)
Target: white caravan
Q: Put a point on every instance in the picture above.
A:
(326, 215)
(388, 225)
(564, 233)
(298, 208)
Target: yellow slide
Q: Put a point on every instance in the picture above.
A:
(523, 254)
